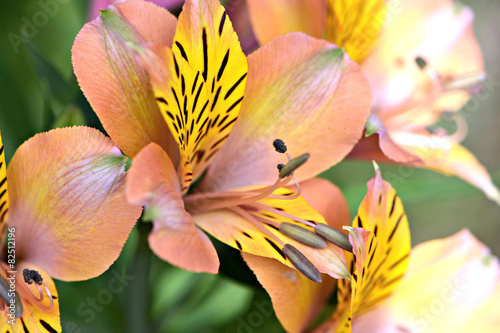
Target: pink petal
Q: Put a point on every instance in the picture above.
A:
(68, 204)
(114, 83)
(152, 182)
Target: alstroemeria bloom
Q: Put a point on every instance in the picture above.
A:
(222, 113)
(66, 216)
(422, 61)
(440, 286)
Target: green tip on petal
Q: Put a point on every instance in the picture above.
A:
(302, 264)
(302, 235)
(334, 236)
(118, 25)
(151, 213)
(293, 165)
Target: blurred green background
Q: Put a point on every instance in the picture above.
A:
(38, 91)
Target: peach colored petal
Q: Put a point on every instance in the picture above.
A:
(152, 182)
(368, 148)
(458, 286)
(271, 18)
(460, 162)
(114, 83)
(68, 204)
(296, 300)
(304, 91)
(37, 316)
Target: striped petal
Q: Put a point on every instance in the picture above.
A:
(304, 91)
(67, 187)
(296, 299)
(37, 316)
(115, 85)
(381, 245)
(236, 229)
(152, 182)
(199, 84)
(355, 25)
(271, 18)
(4, 195)
(458, 284)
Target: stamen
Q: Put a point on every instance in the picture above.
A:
(302, 235)
(30, 276)
(293, 164)
(280, 146)
(421, 63)
(334, 236)
(40, 291)
(302, 264)
(278, 212)
(50, 297)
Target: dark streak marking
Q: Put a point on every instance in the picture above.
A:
(181, 48)
(371, 257)
(228, 124)
(170, 115)
(178, 121)
(273, 226)
(162, 100)
(183, 85)
(223, 120)
(402, 259)
(196, 100)
(223, 65)
(238, 245)
(175, 127)
(176, 99)
(215, 120)
(47, 326)
(201, 112)
(221, 24)
(360, 224)
(393, 205)
(375, 230)
(24, 326)
(211, 154)
(234, 105)
(275, 247)
(176, 67)
(3, 214)
(213, 85)
(244, 233)
(194, 83)
(205, 54)
(5, 191)
(215, 99)
(395, 227)
(1, 149)
(371, 243)
(230, 91)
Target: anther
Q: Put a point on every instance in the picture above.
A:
(302, 235)
(280, 166)
(302, 264)
(334, 236)
(294, 164)
(280, 146)
(421, 63)
(30, 276)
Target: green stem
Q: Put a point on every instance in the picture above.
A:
(138, 300)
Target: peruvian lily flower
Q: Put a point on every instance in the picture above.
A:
(422, 61)
(440, 286)
(66, 215)
(209, 121)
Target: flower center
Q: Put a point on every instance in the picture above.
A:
(248, 203)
